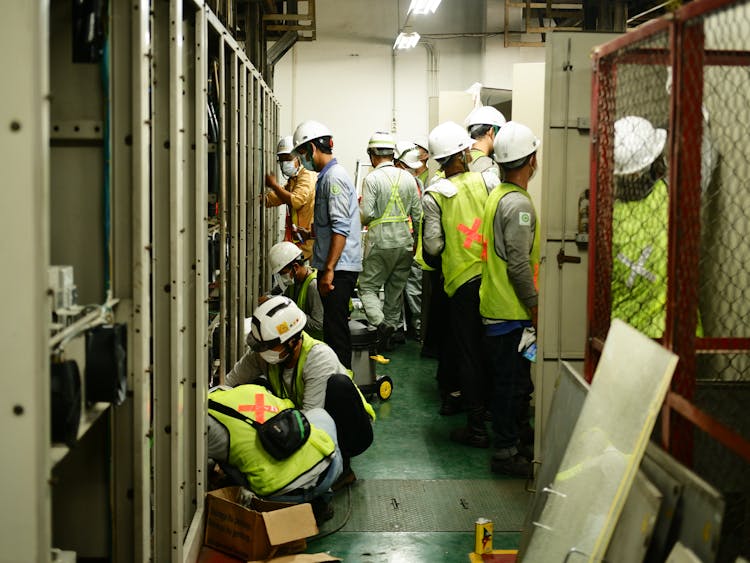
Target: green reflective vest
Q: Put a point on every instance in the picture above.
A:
(497, 298)
(391, 214)
(461, 218)
(265, 474)
(639, 261)
(299, 296)
(297, 392)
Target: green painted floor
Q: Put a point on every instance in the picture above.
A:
(417, 494)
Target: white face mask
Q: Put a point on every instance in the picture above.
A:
(289, 168)
(272, 356)
(283, 280)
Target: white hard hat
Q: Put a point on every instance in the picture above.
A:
(282, 254)
(422, 142)
(408, 153)
(447, 139)
(382, 140)
(285, 146)
(513, 142)
(309, 131)
(485, 115)
(274, 322)
(411, 159)
(403, 147)
(637, 144)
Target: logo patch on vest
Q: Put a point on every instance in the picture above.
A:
(524, 219)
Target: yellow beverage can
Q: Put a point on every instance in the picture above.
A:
(483, 536)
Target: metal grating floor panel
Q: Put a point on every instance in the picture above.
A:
(391, 505)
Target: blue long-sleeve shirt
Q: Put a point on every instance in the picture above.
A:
(336, 211)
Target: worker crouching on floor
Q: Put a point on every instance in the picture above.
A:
(305, 476)
(299, 282)
(306, 371)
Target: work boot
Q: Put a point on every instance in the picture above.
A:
(384, 337)
(526, 450)
(346, 478)
(322, 509)
(515, 465)
(475, 433)
(451, 404)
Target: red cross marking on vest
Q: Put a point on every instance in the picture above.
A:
(472, 233)
(260, 408)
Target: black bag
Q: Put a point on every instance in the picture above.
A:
(281, 435)
(65, 388)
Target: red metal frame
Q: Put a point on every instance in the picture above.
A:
(687, 58)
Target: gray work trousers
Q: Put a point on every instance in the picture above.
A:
(387, 268)
(413, 293)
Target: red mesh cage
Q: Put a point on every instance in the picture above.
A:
(669, 227)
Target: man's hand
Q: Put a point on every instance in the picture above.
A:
(306, 234)
(325, 282)
(271, 181)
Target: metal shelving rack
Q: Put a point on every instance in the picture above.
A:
(139, 468)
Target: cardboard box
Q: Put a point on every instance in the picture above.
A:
(266, 530)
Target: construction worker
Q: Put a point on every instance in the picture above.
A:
(453, 209)
(407, 158)
(298, 195)
(508, 296)
(423, 173)
(299, 282)
(305, 476)
(390, 206)
(639, 226)
(337, 251)
(305, 370)
(483, 124)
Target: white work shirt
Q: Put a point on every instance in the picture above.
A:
(321, 364)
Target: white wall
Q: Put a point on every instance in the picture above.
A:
(345, 78)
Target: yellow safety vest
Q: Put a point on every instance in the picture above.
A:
(265, 474)
(462, 214)
(497, 298)
(297, 392)
(639, 261)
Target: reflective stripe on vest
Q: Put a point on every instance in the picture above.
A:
(462, 214)
(297, 392)
(265, 474)
(497, 298)
(394, 200)
(301, 297)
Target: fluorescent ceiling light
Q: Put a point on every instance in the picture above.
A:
(423, 6)
(406, 40)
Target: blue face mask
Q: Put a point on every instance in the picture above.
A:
(307, 162)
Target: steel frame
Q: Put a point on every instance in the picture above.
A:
(159, 265)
